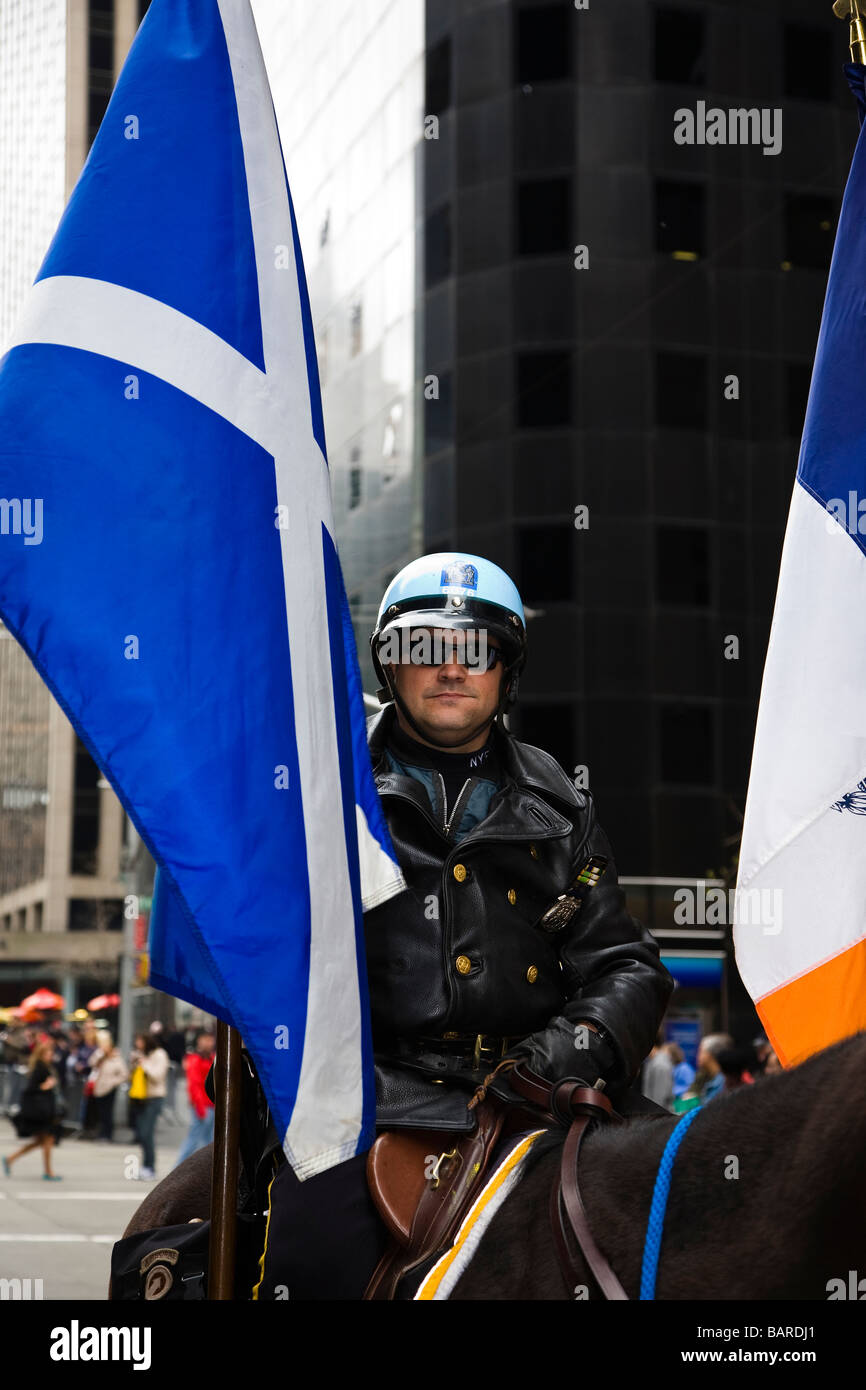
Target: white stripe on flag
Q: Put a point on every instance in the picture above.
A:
(332, 1044)
(810, 750)
(379, 878)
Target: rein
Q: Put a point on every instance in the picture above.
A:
(585, 1106)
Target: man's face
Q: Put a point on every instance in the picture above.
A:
(450, 699)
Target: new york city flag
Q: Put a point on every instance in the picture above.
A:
(804, 835)
(182, 595)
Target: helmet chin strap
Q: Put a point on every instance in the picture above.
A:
(464, 735)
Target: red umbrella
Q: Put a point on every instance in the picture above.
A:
(43, 999)
(103, 1001)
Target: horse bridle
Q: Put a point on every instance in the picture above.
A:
(580, 1106)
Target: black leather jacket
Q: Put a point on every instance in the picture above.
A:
(460, 951)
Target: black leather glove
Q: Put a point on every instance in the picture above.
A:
(565, 1049)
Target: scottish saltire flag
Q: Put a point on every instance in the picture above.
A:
(160, 414)
(804, 835)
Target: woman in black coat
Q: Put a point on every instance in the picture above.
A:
(37, 1118)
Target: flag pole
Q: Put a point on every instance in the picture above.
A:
(224, 1179)
(850, 10)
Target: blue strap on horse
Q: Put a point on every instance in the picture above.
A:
(655, 1225)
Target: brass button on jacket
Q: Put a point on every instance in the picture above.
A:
(464, 964)
(512, 896)
(532, 974)
(460, 872)
(533, 851)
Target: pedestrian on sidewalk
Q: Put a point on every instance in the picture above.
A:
(137, 1086)
(154, 1063)
(174, 1043)
(197, 1065)
(108, 1072)
(79, 1064)
(39, 1113)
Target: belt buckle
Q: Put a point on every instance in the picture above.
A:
(490, 1048)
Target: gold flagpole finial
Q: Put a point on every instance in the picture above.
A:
(849, 9)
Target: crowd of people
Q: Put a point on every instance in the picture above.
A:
(68, 1077)
(64, 1080)
(672, 1082)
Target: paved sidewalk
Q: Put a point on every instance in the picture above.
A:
(62, 1232)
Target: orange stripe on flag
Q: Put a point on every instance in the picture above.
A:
(819, 1008)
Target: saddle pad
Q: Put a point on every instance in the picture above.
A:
(441, 1280)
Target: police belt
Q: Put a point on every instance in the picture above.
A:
(451, 1052)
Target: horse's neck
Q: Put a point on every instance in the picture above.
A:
(765, 1197)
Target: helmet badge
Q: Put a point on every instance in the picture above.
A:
(466, 576)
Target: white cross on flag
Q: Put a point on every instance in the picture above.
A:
(160, 414)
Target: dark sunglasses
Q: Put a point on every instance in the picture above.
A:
(440, 652)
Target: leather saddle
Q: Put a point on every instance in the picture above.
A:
(423, 1192)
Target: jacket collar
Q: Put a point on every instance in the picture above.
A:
(523, 764)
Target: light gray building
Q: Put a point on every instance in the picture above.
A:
(62, 830)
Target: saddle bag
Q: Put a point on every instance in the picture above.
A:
(422, 1191)
(171, 1262)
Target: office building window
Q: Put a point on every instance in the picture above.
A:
(680, 40)
(681, 391)
(354, 488)
(95, 914)
(808, 63)
(100, 62)
(437, 246)
(438, 404)
(542, 43)
(550, 727)
(686, 753)
(810, 220)
(437, 96)
(356, 328)
(798, 377)
(680, 219)
(683, 566)
(543, 389)
(545, 563)
(85, 812)
(543, 216)
(322, 348)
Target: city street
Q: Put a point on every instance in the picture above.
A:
(62, 1232)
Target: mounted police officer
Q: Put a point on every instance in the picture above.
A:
(511, 940)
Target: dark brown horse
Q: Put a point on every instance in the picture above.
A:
(766, 1200)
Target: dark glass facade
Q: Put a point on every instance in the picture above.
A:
(657, 377)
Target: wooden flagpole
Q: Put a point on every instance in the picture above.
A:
(226, 1160)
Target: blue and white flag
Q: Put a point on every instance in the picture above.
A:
(174, 576)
